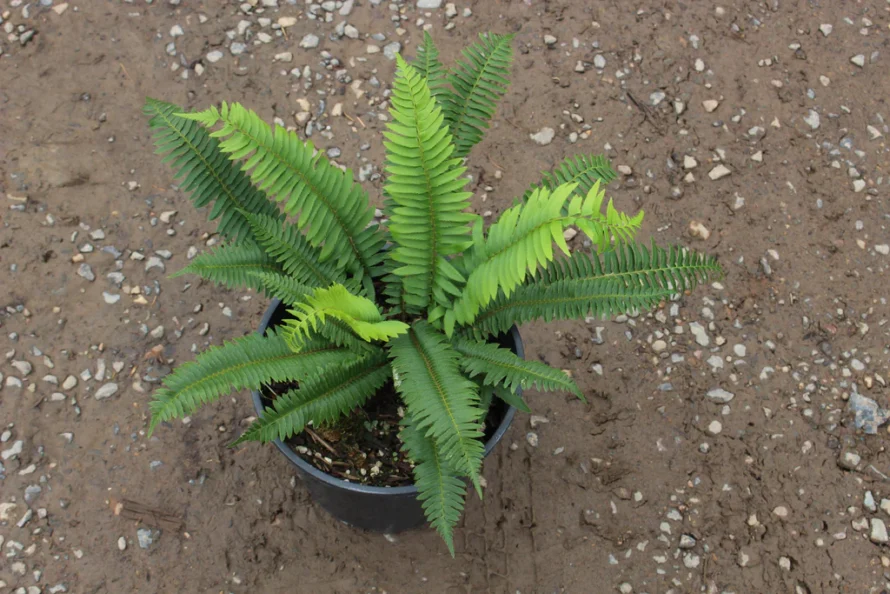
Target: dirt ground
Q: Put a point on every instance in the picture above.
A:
(717, 452)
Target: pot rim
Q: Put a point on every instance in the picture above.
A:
(308, 468)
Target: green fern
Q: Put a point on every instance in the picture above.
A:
(442, 402)
(332, 210)
(477, 83)
(584, 170)
(501, 367)
(246, 362)
(206, 173)
(233, 265)
(630, 278)
(358, 313)
(441, 492)
(320, 399)
(286, 288)
(293, 252)
(602, 228)
(428, 65)
(425, 197)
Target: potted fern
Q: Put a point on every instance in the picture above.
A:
(420, 308)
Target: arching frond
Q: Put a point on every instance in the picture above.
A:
(283, 287)
(428, 65)
(206, 173)
(332, 209)
(233, 265)
(359, 314)
(425, 198)
(584, 170)
(442, 402)
(631, 277)
(246, 362)
(294, 254)
(500, 366)
(440, 491)
(320, 399)
(477, 83)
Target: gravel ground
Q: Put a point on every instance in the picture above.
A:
(733, 441)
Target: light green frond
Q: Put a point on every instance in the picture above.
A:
(428, 65)
(477, 83)
(359, 314)
(440, 491)
(632, 277)
(206, 173)
(246, 362)
(286, 288)
(602, 227)
(442, 402)
(293, 252)
(500, 366)
(584, 170)
(233, 265)
(425, 199)
(333, 211)
(320, 399)
(517, 244)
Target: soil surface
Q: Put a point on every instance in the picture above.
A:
(718, 451)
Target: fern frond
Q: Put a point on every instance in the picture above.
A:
(517, 244)
(283, 242)
(232, 265)
(428, 65)
(500, 366)
(425, 198)
(320, 399)
(359, 314)
(478, 82)
(333, 211)
(440, 491)
(603, 227)
(286, 288)
(246, 362)
(205, 171)
(443, 403)
(632, 277)
(584, 170)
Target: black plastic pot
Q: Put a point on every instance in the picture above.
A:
(378, 509)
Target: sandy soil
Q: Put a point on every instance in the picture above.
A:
(654, 486)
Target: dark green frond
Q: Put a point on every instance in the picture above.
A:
(584, 170)
(428, 65)
(426, 201)
(289, 247)
(233, 266)
(477, 83)
(440, 491)
(321, 399)
(246, 362)
(500, 366)
(283, 287)
(205, 171)
(631, 277)
(443, 403)
(333, 211)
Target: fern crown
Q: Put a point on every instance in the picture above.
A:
(417, 299)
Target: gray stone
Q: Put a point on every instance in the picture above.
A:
(849, 460)
(868, 416)
(237, 48)
(214, 56)
(429, 4)
(309, 41)
(146, 537)
(155, 262)
(687, 541)
(812, 119)
(391, 49)
(106, 391)
(720, 395)
(544, 136)
(85, 271)
(599, 62)
(22, 367)
(878, 533)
